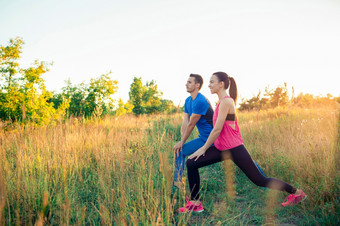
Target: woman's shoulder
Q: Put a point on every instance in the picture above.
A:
(227, 101)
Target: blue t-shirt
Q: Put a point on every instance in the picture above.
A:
(201, 106)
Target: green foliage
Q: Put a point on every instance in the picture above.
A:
(75, 95)
(136, 95)
(9, 67)
(146, 99)
(88, 99)
(123, 108)
(169, 107)
(23, 94)
(152, 98)
(273, 98)
(100, 93)
(253, 103)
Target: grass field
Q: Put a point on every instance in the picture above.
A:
(119, 171)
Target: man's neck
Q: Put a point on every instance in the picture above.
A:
(194, 94)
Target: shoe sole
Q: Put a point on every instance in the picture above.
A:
(199, 211)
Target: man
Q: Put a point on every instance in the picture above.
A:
(197, 112)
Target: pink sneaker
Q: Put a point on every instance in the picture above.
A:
(292, 199)
(191, 207)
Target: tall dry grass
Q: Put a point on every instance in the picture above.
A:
(119, 170)
(298, 145)
(104, 170)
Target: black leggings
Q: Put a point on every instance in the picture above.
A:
(242, 159)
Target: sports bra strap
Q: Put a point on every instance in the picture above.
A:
(230, 117)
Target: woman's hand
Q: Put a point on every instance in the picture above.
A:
(198, 153)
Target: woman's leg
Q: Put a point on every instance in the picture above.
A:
(211, 156)
(243, 160)
(187, 149)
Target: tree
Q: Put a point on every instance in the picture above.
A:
(11, 98)
(304, 100)
(278, 97)
(75, 95)
(123, 108)
(275, 98)
(136, 95)
(9, 66)
(152, 98)
(23, 93)
(146, 99)
(169, 107)
(255, 103)
(87, 99)
(100, 93)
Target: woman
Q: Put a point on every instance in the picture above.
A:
(227, 141)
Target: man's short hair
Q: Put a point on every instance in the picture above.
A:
(198, 79)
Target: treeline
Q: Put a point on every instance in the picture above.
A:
(279, 97)
(24, 97)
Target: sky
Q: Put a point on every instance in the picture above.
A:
(260, 43)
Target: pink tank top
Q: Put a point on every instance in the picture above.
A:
(229, 137)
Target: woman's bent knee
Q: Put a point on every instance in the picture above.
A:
(190, 163)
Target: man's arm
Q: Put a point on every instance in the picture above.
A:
(185, 123)
(188, 125)
(186, 119)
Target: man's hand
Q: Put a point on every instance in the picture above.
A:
(198, 153)
(178, 147)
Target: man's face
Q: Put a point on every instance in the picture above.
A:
(191, 85)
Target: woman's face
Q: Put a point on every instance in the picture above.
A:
(214, 84)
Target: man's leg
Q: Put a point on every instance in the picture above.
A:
(187, 149)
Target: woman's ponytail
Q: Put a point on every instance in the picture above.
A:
(233, 89)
